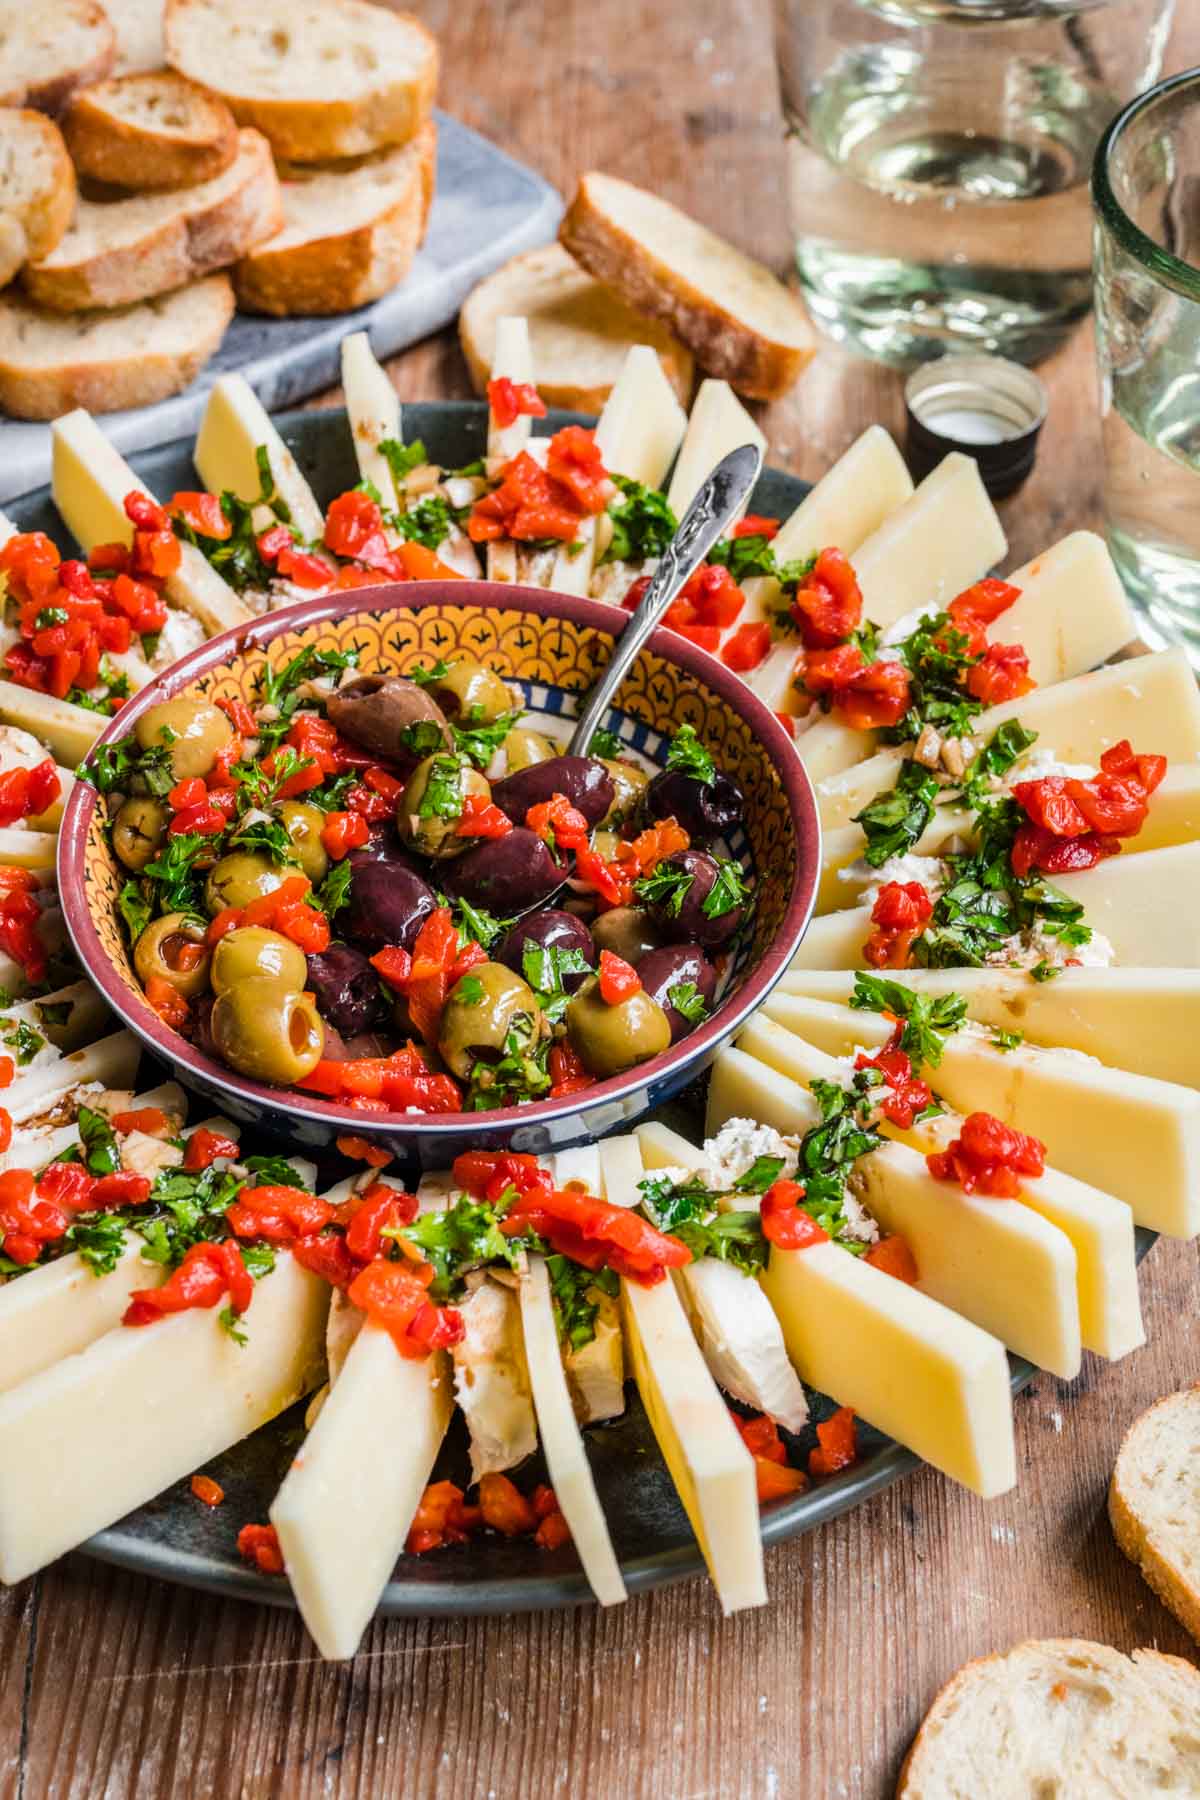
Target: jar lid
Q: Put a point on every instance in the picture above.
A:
(985, 406)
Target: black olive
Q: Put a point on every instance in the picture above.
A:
(678, 912)
(550, 929)
(583, 779)
(673, 966)
(347, 989)
(705, 809)
(505, 874)
(389, 902)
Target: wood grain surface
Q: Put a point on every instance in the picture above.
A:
(113, 1686)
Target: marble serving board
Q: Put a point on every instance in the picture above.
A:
(487, 208)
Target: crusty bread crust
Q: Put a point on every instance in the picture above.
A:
(342, 269)
(110, 145)
(724, 344)
(45, 383)
(71, 43)
(202, 232)
(37, 193)
(1139, 1533)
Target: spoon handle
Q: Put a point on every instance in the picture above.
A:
(706, 519)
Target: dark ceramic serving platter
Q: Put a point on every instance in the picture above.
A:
(178, 1539)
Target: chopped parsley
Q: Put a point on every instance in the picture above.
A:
(469, 991)
(101, 1151)
(442, 797)
(274, 1171)
(666, 886)
(230, 1322)
(98, 1238)
(606, 743)
(1006, 745)
(125, 768)
(727, 892)
(544, 966)
(280, 688)
(1045, 971)
(688, 756)
(642, 523)
(465, 1236)
(427, 677)
(134, 908)
(475, 924)
(927, 1019)
(688, 1001)
(938, 658)
(574, 1313)
(758, 1177)
(20, 1037)
(430, 522)
(334, 891)
(745, 557)
(269, 836)
(174, 870)
(402, 459)
(689, 1211)
(1006, 1040)
(479, 739)
(521, 1073)
(422, 738)
(894, 820)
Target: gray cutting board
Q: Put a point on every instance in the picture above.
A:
(486, 209)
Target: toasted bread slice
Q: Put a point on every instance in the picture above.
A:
(50, 48)
(738, 319)
(150, 131)
(1154, 1502)
(104, 361)
(125, 250)
(139, 28)
(322, 79)
(580, 331)
(1062, 1717)
(349, 234)
(37, 189)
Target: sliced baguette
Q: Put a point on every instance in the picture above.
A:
(106, 361)
(139, 28)
(37, 189)
(322, 79)
(740, 321)
(349, 235)
(50, 48)
(150, 131)
(580, 330)
(1061, 1718)
(1154, 1502)
(126, 250)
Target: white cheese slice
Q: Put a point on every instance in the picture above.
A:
(90, 481)
(346, 1504)
(642, 424)
(172, 1395)
(373, 412)
(27, 849)
(562, 1443)
(845, 876)
(234, 428)
(719, 423)
(491, 1380)
(67, 731)
(1174, 812)
(712, 1470)
(512, 357)
(112, 1061)
(84, 1015)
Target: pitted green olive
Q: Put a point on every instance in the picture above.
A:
(138, 830)
(304, 825)
(240, 877)
(480, 1012)
(471, 694)
(611, 1039)
(626, 931)
(252, 951)
(265, 1029)
(430, 808)
(192, 730)
(173, 948)
(629, 784)
(522, 749)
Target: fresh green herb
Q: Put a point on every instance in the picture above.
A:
(101, 1152)
(430, 522)
(938, 657)
(745, 557)
(98, 1238)
(125, 768)
(184, 1209)
(443, 794)
(866, 640)
(469, 991)
(111, 684)
(135, 909)
(1006, 745)
(688, 755)
(1044, 971)
(642, 523)
(402, 459)
(666, 886)
(606, 743)
(477, 925)
(519, 1074)
(275, 1171)
(258, 1258)
(21, 1039)
(331, 796)
(230, 1321)
(422, 738)
(1006, 1040)
(175, 871)
(689, 1211)
(479, 739)
(279, 688)
(268, 836)
(465, 1236)
(928, 1019)
(334, 891)
(894, 820)
(793, 575)
(426, 677)
(52, 1014)
(688, 1001)
(727, 892)
(472, 470)
(51, 616)
(574, 1312)
(544, 967)
(758, 1177)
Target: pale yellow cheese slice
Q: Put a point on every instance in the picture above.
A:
(27, 849)
(642, 424)
(512, 358)
(843, 880)
(68, 731)
(719, 423)
(111, 1060)
(234, 428)
(373, 412)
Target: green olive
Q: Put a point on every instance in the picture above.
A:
(240, 877)
(192, 730)
(611, 1039)
(629, 784)
(435, 835)
(470, 693)
(480, 1012)
(138, 830)
(252, 950)
(265, 1029)
(304, 825)
(173, 948)
(626, 931)
(522, 749)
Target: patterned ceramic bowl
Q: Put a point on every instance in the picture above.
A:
(551, 647)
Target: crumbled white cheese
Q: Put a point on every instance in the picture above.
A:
(1040, 763)
(930, 871)
(1025, 949)
(19, 749)
(738, 1146)
(142, 1154)
(858, 1222)
(179, 637)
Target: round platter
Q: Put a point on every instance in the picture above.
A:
(178, 1539)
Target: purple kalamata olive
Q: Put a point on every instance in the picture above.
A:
(347, 989)
(583, 779)
(705, 809)
(390, 717)
(389, 902)
(551, 930)
(682, 886)
(505, 874)
(674, 966)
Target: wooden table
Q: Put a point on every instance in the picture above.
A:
(114, 1686)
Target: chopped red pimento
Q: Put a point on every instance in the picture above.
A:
(760, 1436)
(381, 1209)
(905, 1095)
(619, 980)
(207, 1273)
(468, 958)
(239, 716)
(747, 647)
(504, 1507)
(652, 846)
(1147, 770)
(360, 1149)
(167, 1002)
(613, 884)
(434, 954)
(343, 832)
(1073, 824)
(893, 1257)
(27, 1223)
(24, 793)
(527, 505)
(510, 400)
(568, 1073)
(206, 1489)
(1003, 674)
(900, 914)
(394, 963)
(558, 823)
(278, 1214)
(8, 1069)
(777, 1481)
(417, 563)
(119, 1189)
(385, 1083)
(979, 606)
(393, 1296)
(485, 1174)
(575, 462)
(482, 818)
(259, 1544)
(788, 723)
(597, 1234)
(152, 1121)
(784, 1220)
(755, 525)
(354, 527)
(441, 1518)
(838, 1439)
(67, 1184)
(989, 1157)
(204, 1146)
(827, 605)
(202, 513)
(866, 696)
(552, 1532)
(227, 920)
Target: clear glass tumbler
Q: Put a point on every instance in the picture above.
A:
(1146, 189)
(940, 152)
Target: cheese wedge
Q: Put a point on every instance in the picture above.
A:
(27, 849)
(512, 357)
(562, 1443)
(719, 424)
(112, 1061)
(71, 1017)
(234, 428)
(173, 1395)
(1127, 1134)
(373, 412)
(346, 1504)
(1148, 698)
(711, 1467)
(90, 481)
(67, 731)
(491, 1380)
(642, 424)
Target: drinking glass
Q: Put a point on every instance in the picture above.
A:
(1146, 190)
(939, 156)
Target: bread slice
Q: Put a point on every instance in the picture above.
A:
(580, 330)
(48, 48)
(125, 250)
(150, 131)
(349, 234)
(1060, 1720)
(1154, 1502)
(37, 188)
(139, 28)
(105, 361)
(323, 79)
(741, 322)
